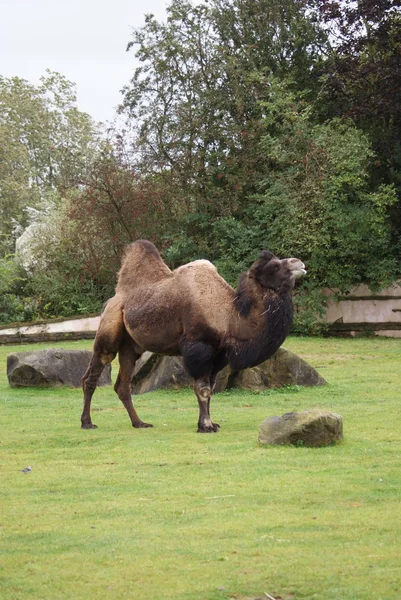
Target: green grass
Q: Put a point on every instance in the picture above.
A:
(169, 514)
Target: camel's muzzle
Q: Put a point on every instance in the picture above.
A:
(296, 267)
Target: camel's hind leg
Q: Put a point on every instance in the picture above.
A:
(128, 357)
(89, 382)
(105, 348)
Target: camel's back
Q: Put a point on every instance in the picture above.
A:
(142, 265)
(160, 306)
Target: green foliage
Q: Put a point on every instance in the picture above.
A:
(195, 100)
(60, 293)
(18, 308)
(315, 202)
(9, 274)
(309, 308)
(15, 304)
(45, 146)
(59, 278)
(318, 204)
(319, 179)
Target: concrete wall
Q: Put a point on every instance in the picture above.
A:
(57, 330)
(364, 311)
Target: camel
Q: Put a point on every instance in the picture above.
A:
(192, 312)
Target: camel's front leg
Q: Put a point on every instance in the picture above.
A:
(203, 392)
(198, 360)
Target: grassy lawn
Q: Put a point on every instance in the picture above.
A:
(169, 514)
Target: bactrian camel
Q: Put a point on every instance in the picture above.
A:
(191, 312)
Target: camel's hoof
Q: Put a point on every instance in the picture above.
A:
(88, 426)
(213, 428)
(141, 425)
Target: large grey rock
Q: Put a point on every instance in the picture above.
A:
(283, 368)
(51, 367)
(154, 372)
(313, 428)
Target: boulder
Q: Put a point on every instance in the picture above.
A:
(314, 428)
(154, 372)
(283, 368)
(52, 367)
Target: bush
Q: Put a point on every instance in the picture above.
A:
(60, 296)
(15, 304)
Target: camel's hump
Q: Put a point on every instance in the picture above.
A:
(195, 264)
(141, 265)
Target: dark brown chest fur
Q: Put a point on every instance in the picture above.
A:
(274, 328)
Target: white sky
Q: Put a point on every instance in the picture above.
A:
(84, 40)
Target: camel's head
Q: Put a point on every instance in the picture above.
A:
(274, 273)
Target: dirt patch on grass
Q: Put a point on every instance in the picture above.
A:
(264, 596)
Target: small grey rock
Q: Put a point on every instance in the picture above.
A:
(314, 428)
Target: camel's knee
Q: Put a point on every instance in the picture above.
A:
(90, 379)
(202, 390)
(98, 362)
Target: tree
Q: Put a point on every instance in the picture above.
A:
(315, 202)
(229, 99)
(362, 77)
(318, 198)
(16, 190)
(114, 207)
(195, 99)
(79, 250)
(46, 144)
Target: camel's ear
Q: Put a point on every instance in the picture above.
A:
(262, 262)
(267, 255)
(261, 270)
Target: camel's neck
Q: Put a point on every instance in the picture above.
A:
(263, 323)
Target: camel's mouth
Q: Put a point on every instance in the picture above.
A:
(297, 268)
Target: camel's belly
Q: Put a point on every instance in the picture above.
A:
(151, 343)
(154, 331)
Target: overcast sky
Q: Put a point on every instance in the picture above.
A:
(85, 40)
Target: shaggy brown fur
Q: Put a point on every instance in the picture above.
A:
(191, 312)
